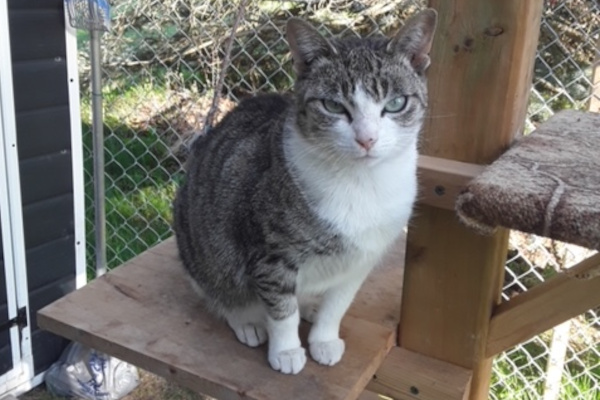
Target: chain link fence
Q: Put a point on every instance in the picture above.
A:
(563, 363)
(162, 61)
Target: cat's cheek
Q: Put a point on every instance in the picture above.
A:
(343, 139)
(388, 141)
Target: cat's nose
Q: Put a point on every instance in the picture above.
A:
(366, 141)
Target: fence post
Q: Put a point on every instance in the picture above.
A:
(595, 99)
(479, 85)
(556, 360)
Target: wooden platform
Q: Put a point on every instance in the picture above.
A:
(145, 312)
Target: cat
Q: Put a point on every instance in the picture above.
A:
(296, 197)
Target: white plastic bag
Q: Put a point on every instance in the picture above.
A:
(89, 374)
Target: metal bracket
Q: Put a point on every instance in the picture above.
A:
(20, 320)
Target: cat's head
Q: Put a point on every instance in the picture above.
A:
(361, 99)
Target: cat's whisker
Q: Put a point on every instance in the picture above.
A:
(314, 151)
(440, 116)
(327, 149)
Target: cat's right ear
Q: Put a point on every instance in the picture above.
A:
(306, 44)
(415, 39)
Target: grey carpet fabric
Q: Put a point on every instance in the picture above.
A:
(547, 183)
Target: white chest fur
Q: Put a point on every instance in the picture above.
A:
(368, 204)
(371, 205)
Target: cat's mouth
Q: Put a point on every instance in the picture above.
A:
(365, 154)
(368, 157)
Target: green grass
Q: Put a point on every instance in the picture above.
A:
(506, 385)
(581, 388)
(138, 220)
(531, 362)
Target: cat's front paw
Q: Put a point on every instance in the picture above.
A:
(308, 311)
(288, 361)
(327, 353)
(250, 334)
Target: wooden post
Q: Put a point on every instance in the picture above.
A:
(479, 86)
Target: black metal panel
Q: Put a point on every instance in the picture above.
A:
(1, 244)
(47, 294)
(35, 4)
(6, 363)
(41, 34)
(52, 173)
(47, 347)
(41, 97)
(3, 295)
(40, 84)
(48, 221)
(35, 137)
(50, 262)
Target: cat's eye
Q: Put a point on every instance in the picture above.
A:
(334, 107)
(396, 105)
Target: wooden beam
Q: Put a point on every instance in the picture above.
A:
(479, 82)
(546, 305)
(441, 180)
(408, 375)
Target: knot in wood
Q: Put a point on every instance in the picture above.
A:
(494, 31)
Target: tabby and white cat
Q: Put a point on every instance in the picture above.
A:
(296, 197)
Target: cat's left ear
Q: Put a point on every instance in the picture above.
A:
(415, 39)
(306, 44)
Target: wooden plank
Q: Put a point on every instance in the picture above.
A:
(408, 375)
(146, 313)
(441, 180)
(479, 81)
(368, 395)
(546, 305)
